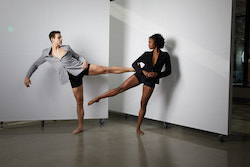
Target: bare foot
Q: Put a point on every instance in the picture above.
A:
(139, 132)
(78, 130)
(93, 101)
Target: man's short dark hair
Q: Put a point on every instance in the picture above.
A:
(53, 33)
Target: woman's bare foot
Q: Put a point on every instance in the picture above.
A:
(78, 130)
(93, 101)
(139, 132)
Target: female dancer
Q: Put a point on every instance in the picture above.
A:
(148, 71)
(70, 66)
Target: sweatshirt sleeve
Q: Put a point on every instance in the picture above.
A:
(35, 65)
(77, 56)
(135, 64)
(167, 71)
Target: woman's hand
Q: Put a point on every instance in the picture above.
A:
(145, 73)
(27, 82)
(152, 74)
(84, 65)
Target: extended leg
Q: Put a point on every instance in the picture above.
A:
(147, 92)
(78, 93)
(129, 83)
(97, 69)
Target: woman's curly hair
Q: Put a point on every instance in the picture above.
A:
(158, 40)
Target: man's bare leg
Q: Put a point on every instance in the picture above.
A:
(129, 83)
(78, 93)
(147, 92)
(97, 69)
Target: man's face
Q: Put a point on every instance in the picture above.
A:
(57, 40)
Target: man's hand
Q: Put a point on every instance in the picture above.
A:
(152, 74)
(27, 82)
(84, 65)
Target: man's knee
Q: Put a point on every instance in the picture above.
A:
(79, 100)
(106, 69)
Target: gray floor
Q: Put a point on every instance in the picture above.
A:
(241, 116)
(115, 144)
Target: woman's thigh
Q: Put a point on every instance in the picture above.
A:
(131, 82)
(147, 92)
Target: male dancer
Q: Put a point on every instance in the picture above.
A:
(70, 66)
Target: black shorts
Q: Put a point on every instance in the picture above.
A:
(148, 82)
(76, 81)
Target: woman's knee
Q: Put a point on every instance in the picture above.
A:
(120, 89)
(144, 104)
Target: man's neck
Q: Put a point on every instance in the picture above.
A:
(55, 47)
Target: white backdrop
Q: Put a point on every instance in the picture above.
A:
(24, 30)
(198, 38)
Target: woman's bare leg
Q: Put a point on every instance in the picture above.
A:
(147, 92)
(97, 69)
(78, 93)
(132, 81)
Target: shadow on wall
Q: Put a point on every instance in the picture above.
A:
(167, 85)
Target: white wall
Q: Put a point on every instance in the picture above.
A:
(24, 30)
(198, 37)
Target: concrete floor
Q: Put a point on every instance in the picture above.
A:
(115, 144)
(241, 116)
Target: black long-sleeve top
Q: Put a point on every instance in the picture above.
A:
(146, 58)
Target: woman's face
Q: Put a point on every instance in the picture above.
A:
(151, 43)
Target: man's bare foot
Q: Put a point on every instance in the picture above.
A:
(93, 101)
(139, 132)
(78, 130)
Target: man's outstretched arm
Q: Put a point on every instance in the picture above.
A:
(32, 69)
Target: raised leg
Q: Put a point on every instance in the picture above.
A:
(97, 69)
(78, 93)
(132, 81)
(147, 92)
